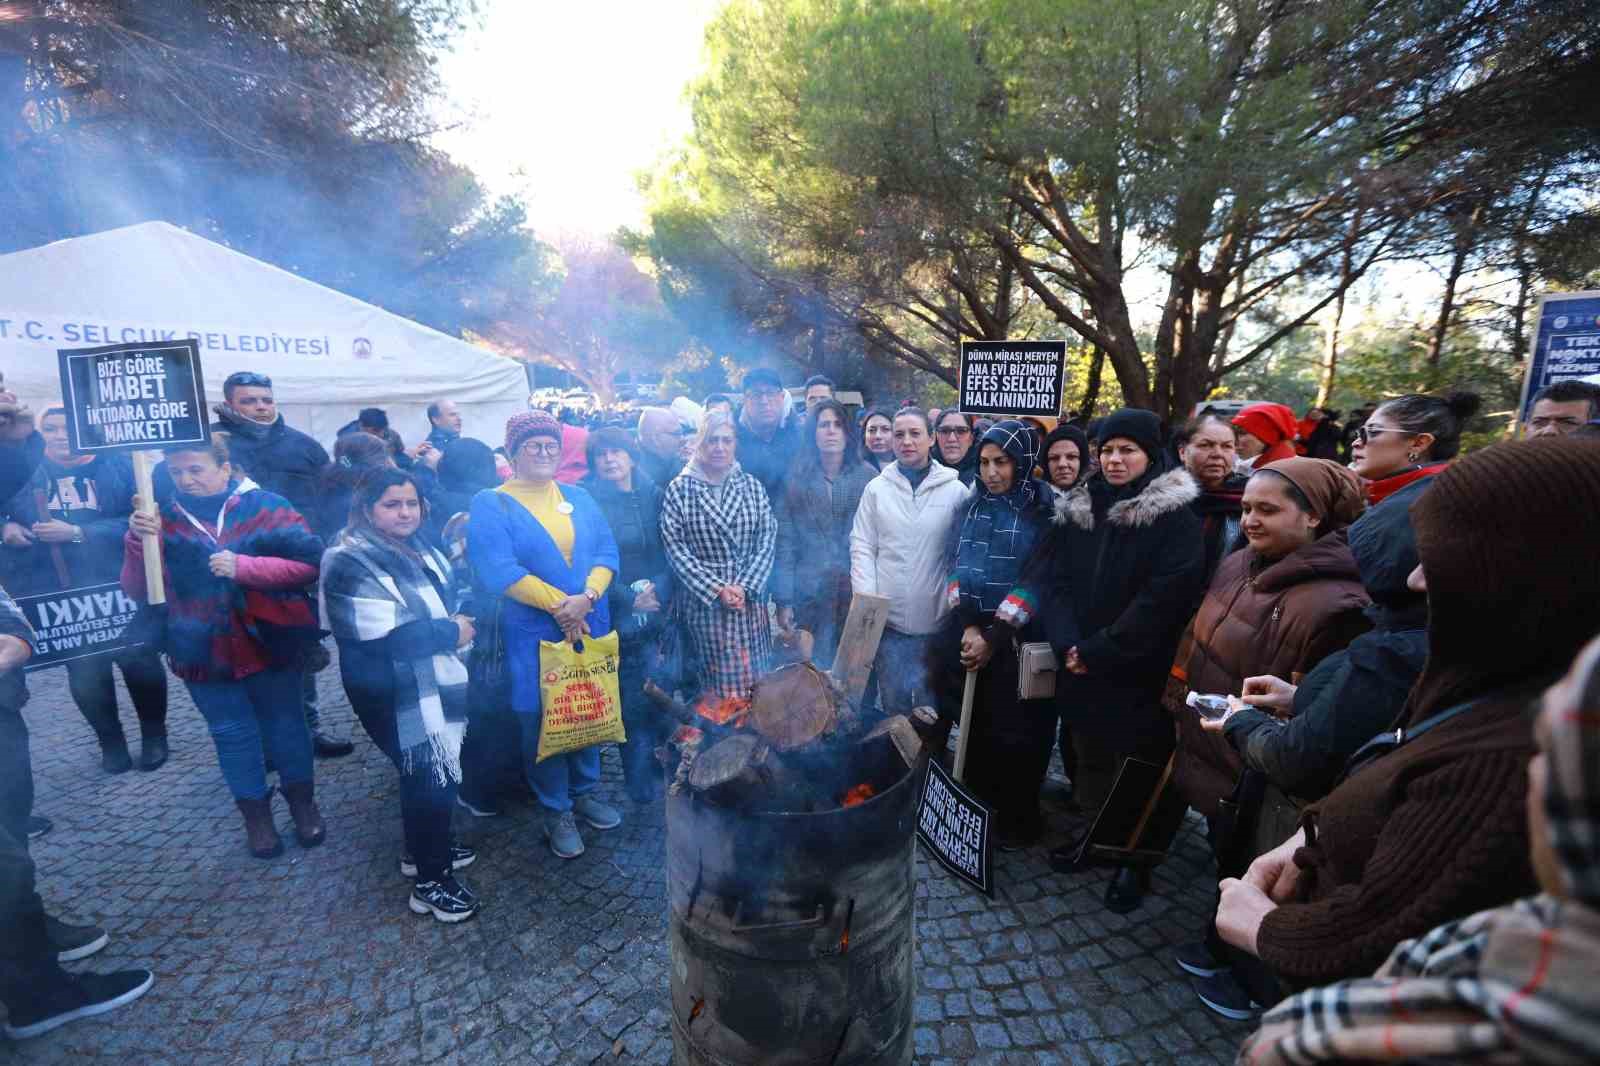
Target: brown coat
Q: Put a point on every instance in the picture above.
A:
(1281, 619)
(1434, 831)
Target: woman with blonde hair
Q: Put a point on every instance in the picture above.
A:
(720, 537)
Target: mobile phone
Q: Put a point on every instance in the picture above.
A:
(1206, 705)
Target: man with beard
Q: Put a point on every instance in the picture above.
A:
(281, 460)
(1208, 449)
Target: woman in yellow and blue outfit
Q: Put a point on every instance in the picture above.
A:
(546, 548)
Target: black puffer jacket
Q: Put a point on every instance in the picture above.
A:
(1129, 564)
(280, 459)
(1357, 693)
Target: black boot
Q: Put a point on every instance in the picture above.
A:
(328, 747)
(1126, 890)
(114, 757)
(152, 751)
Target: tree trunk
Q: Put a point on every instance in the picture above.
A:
(1458, 267)
(1091, 390)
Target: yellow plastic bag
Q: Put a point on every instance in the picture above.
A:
(578, 695)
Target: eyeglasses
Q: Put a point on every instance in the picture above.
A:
(535, 448)
(1364, 434)
(953, 431)
(764, 394)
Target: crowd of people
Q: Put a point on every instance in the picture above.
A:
(1385, 626)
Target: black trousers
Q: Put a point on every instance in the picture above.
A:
(28, 965)
(426, 803)
(1008, 750)
(94, 689)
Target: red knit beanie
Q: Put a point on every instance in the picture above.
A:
(1269, 422)
(529, 424)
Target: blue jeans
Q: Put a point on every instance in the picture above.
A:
(560, 779)
(263, 709)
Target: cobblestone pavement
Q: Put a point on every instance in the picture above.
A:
(314, 957)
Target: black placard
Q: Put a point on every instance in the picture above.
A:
(954, 825)
(125, 397)
(1013, 377)
(77, 623)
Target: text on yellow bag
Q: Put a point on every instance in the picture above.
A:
(578, 695)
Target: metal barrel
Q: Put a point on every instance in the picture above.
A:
(792, 933)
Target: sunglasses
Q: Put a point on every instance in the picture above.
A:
(953, 431)
(250, 379)
(1364, 434)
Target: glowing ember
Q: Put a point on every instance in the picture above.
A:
(858, 794)
(699, 1005)
(729, 710)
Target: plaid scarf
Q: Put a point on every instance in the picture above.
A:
(369, 589)
(1511, 985)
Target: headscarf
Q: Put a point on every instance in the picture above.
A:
(1333, 492)
(1511, 985)
(1016, 439)
(996, 534)
(520, 427)
(1069, 432)
(1507, 539)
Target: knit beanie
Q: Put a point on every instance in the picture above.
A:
(1268, 422)
(1141, 427)
(1507, 540)
(530, 424)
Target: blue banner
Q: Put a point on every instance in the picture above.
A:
(1567, 345)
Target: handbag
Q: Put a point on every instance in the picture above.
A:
(1036, 670)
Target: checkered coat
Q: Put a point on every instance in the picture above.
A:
(716, 535)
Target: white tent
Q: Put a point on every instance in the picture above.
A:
(328, 354)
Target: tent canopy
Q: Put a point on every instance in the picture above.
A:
(328, 354)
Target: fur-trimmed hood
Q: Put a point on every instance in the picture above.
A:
(1169, 492)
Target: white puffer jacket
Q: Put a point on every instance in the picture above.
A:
(897, 546)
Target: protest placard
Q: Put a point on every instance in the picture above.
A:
(1566, 343)
(1013, 378)
(135, 397)
(954, 825)
(77, 623)
(128, 396)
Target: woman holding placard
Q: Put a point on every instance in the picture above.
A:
(237, 561)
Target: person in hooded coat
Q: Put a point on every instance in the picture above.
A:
(1266, 433)
(1120, 570)
(1432, 826)
(1510, 985)
(956, 445)
(1279, 607)
(1008, 752)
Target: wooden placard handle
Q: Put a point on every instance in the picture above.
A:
(154, 581)
(966, 725)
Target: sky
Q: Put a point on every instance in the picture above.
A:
(563, 103)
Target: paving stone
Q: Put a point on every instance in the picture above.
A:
(315, 958)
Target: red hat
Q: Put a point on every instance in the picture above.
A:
(1269, 422)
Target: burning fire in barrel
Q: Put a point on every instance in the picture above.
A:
(790, 878)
